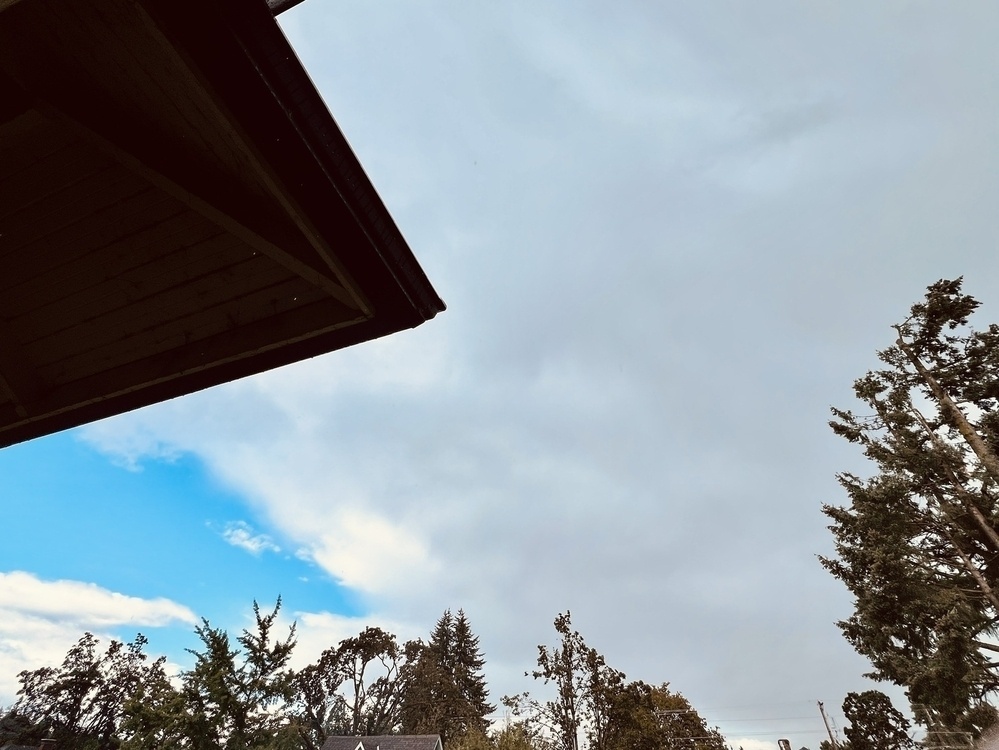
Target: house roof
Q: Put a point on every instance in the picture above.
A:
(385, 742)
(178, 208)
(280, 6)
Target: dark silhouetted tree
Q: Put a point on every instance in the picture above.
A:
(875, 724)
(156, 715)
(918, 546)
(446, 693)
(82, 701)
(236, 699)
(469, 678)
(355, 688)
(654, 716)
(596, 709)
(584, 688)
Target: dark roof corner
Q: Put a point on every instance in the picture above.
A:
(178, 209)
(280, 6)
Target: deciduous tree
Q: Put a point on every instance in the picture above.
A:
(355, 688)
(585, 688)
(155, 716)
(595, 708)
(655, 716)
(516, 736)
(82, 701)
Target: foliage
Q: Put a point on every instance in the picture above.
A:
(83, 700)
(356, 688)
(584, 689)
(595, 708)
(516, 736)
(471, 739)
(654, 716)
(875, 724)
(374, 668)
(919, 544)
(18, 729)
(155, 715)
(466, 670)
(235, 699)
(241, 694)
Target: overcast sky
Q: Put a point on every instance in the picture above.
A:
(670, 236)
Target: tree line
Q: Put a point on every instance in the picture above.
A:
(917, 544)
(242, 694)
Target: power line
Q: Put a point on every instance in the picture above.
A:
(769, 718)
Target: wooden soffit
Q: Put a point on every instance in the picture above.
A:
(177, 209)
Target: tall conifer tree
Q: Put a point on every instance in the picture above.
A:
(918, 546)
(447, 694)
(468, 677)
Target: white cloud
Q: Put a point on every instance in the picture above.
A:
(130, 449)
(84, 604)
(371, 554)
(40, 620)
(239, 534)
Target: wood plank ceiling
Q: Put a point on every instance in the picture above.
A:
(177, 209)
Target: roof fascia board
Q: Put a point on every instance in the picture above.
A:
(196, 380)
(289, 84)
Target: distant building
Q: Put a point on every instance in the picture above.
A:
(385, 742)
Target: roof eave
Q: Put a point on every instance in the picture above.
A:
(280, 6)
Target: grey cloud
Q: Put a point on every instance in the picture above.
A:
(670, 236)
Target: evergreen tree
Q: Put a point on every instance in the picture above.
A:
(875, 724)
(431, 698)
(918, 545)
(447, 692)
(237, 699)
(469, 680)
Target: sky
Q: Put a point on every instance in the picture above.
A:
(670, 236)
